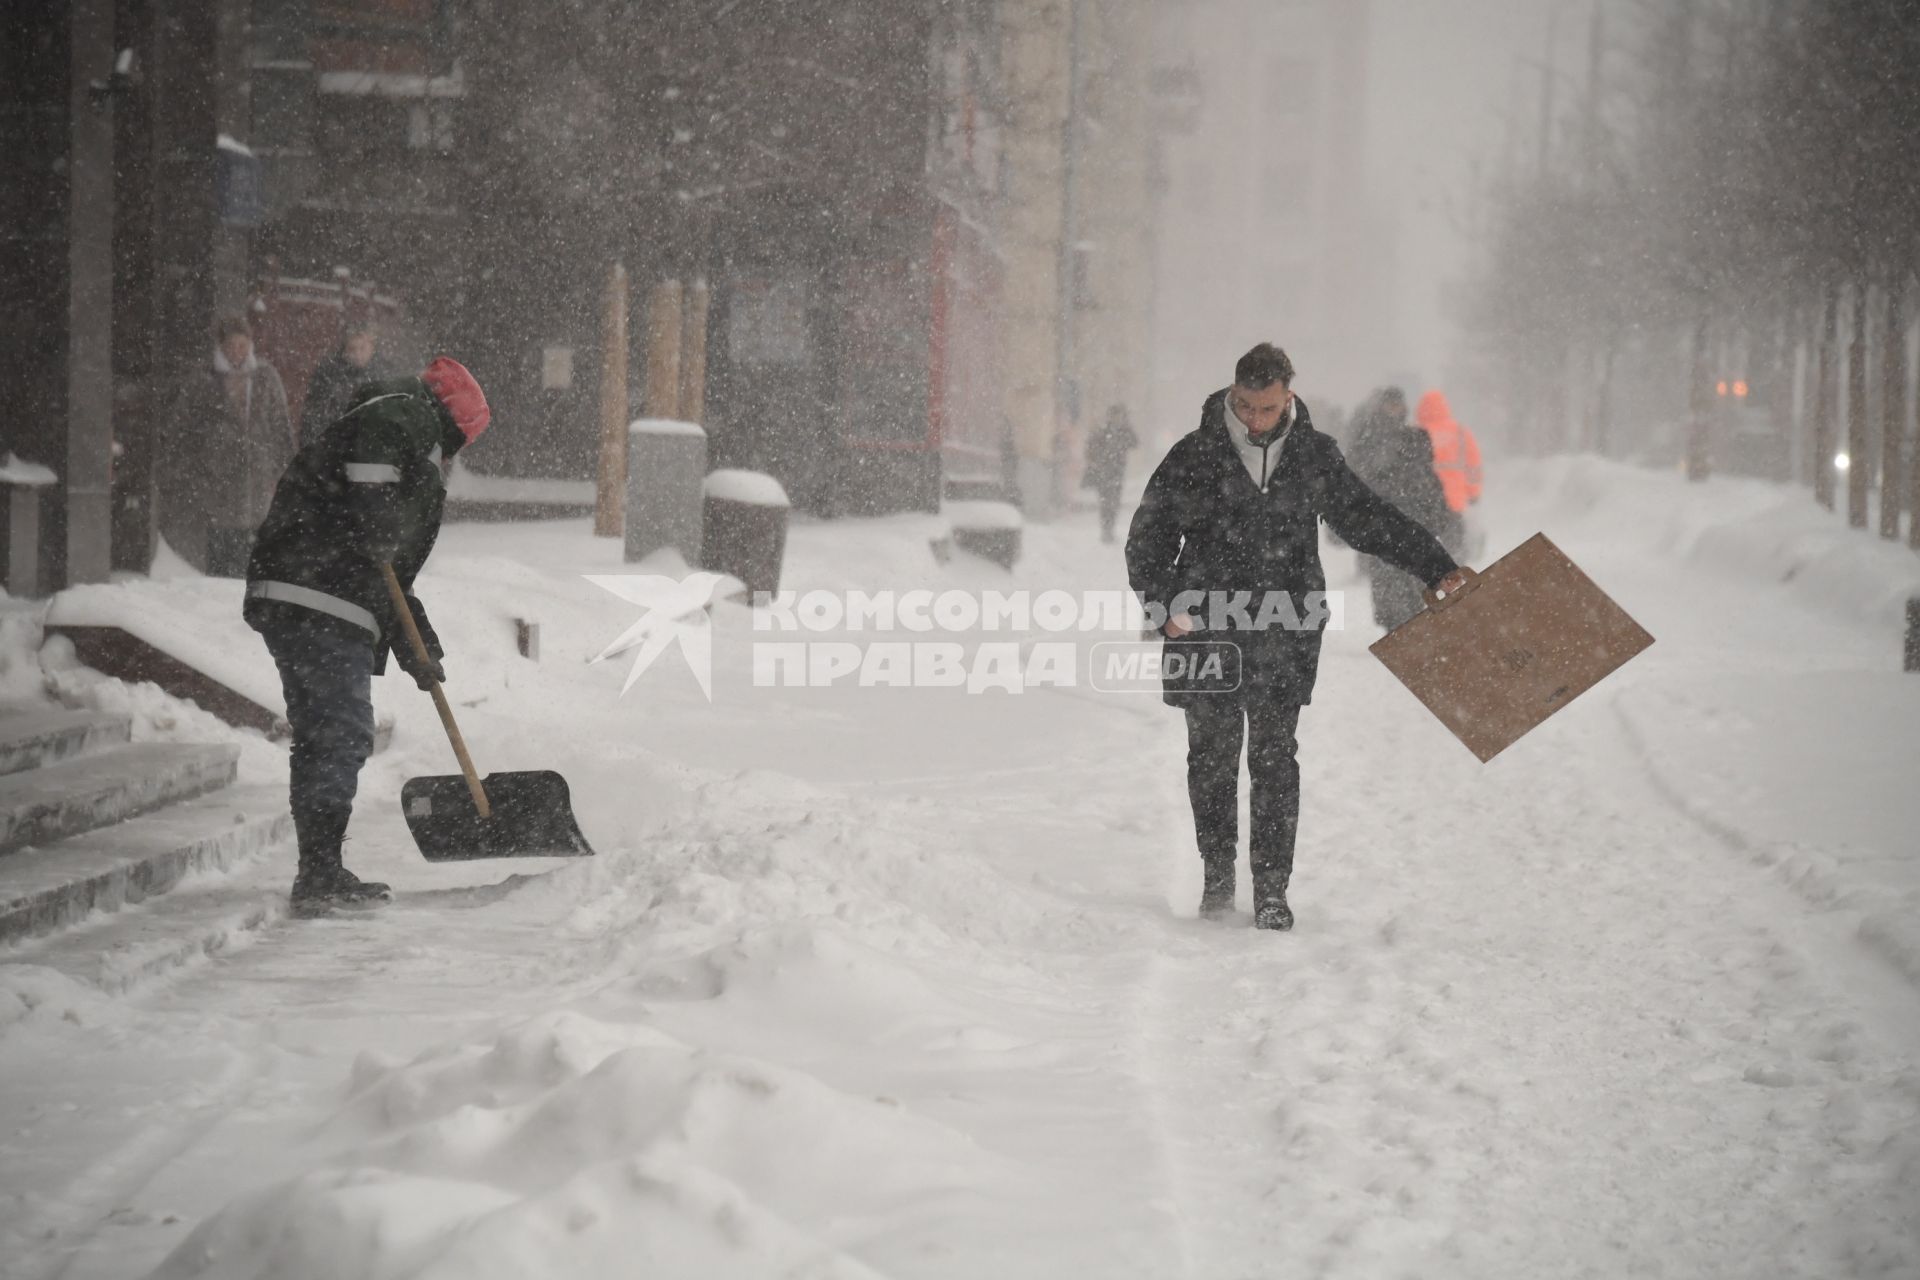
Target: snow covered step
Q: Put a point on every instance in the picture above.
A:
(205, 915)
(50, 888)
(65, 799)
(33, 739)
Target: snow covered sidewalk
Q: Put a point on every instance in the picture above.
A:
(906, 982)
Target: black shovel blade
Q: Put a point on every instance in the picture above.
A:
(532, 817)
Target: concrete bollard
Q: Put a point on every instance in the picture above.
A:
(745, 528)
(666, 462)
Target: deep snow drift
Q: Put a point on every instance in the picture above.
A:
(906, 982)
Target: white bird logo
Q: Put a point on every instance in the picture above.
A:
(676, 609)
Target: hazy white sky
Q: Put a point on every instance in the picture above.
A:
(1442, 79)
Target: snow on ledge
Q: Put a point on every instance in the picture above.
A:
(750, 488)
(982, 514)
(664, 427)
(32, 474)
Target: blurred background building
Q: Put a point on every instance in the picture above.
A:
(1278, 236)
(923, 227)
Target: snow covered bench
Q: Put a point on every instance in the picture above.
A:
(988, 529)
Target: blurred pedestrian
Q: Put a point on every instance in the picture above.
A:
(1106, 471)
(226, 440)
(1456, 456)
(1395, 458)
(353, 364)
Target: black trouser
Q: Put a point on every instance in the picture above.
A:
(326, 673)
(1216, 727)
(1109, 512)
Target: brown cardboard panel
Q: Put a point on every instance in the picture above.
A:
(1518, 643)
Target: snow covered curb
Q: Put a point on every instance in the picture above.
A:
(1768, 532)
(1816, 813)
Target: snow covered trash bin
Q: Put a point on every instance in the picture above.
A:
(1512, 647)
(744, 528)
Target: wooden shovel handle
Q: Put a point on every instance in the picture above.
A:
(1434, 599)
(412, 628)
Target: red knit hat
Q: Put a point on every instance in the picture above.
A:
(455, 388)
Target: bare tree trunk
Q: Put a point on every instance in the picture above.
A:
(1823, 400)
(1913, 488)
(1699, 406)
(1859, 471)
(1893, 389)
(1603, 397)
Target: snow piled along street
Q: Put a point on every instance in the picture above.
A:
(897, 982)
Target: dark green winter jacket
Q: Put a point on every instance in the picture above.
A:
(367, 490)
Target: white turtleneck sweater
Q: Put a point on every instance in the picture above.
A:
(1261, 462)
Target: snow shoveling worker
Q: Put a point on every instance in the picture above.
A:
(367, 490)
(1224, 554)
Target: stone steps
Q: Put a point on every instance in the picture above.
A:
(57, 801)
(34, 739)
(204, 915)
(55, 886)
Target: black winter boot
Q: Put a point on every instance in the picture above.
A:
(1216, 888)
(322, 882)
(1270, 909)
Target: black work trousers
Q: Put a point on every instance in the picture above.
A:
(1217, 727)
(326, 673)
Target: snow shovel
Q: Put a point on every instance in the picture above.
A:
(457, 817)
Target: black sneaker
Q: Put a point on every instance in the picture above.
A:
(1273, 913)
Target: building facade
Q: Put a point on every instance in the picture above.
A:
(1267, 228)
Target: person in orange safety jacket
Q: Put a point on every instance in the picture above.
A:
(1456, 454)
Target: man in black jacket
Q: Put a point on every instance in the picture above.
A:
(1224, 554)
(364, 492)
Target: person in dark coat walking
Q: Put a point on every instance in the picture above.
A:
(366, 491)
(1224, 555)
(224, 443)
(353, 365)
(1395, 458)
(1106, 471)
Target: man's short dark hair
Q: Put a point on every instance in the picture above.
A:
(1263, 366)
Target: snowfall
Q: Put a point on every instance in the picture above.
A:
(908, 982)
